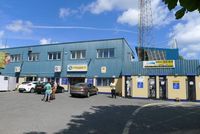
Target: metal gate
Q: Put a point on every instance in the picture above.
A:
(191, 88)
(162, 87)
(152, 87)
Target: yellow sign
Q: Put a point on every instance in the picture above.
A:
(159, 64)
(77, 68)
(4, 59)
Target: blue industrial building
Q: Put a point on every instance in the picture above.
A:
(97, 61)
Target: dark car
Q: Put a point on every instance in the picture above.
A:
(83, 89)
(39, 88)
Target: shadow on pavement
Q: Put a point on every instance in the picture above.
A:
(150, 120)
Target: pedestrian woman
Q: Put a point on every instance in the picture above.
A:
(54, 89)
(48, 91)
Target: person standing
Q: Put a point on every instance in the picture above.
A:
(54, 89)
(113, 89)
(48, 91)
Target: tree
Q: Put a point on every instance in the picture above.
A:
(185, 6)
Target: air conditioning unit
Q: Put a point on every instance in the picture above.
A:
(17, 69)
(57, 69)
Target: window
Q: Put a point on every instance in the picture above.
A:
(54, 55)
(105, 53)
(80, 54)
(104, 81)
(33, 57)
(15, 58)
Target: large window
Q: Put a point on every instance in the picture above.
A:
(54, 55)
(15, 58)
(80, 54)
(104, 81)
(105, 53)
(33, 57)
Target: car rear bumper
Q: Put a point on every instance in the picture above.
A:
(78, 93)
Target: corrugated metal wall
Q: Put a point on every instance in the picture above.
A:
(182, 67)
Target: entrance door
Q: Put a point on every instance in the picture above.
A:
(191, 88)
(75, 80)
(152, 87)
(162, 87)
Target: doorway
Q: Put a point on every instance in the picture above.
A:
(128, 86)
(191, 88)
(75, 80)
(162, 87)
(152, 87)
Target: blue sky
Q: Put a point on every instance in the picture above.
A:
(35, 22)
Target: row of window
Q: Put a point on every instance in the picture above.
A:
(78, 54)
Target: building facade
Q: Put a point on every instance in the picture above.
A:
(97, 62)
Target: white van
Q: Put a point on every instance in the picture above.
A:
(7, 83)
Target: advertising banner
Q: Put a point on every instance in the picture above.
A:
(4, 59)
(77, 68)
(159, 64)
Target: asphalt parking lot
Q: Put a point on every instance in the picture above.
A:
(25, 113)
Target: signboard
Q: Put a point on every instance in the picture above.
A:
(103, 69)
(57, 69)
(4, 59)
(159, 64)
(90, 81)
(17, 69)
(140, 84)
(64, 81)
(176, 85)
(77, 68)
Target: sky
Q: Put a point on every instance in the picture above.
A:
(40, 22)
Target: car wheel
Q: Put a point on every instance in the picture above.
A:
(32, 90)
(88, 94)
(96, 92)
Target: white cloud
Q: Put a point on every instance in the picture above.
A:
(64, 12)
(19, 26)
(100, 6)
(44, 41)
(187, 33)
(130, 11)
(130, 16)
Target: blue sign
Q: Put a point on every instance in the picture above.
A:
(176, 85)
(65, 81)
(140, 85)
(90, 81)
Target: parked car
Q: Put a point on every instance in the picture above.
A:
(40, 88)
(83, 89)
(28, 86)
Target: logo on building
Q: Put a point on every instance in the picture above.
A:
(159, 64)
(17, 69)
(103, 69)
(57, 69)
(77, 68)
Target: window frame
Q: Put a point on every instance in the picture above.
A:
(33, 57)
(54, 55)
(77, 54)
(104, 82)
(105, 53)
(15, 58)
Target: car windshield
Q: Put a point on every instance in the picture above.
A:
(80, 84)
(26, 82)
